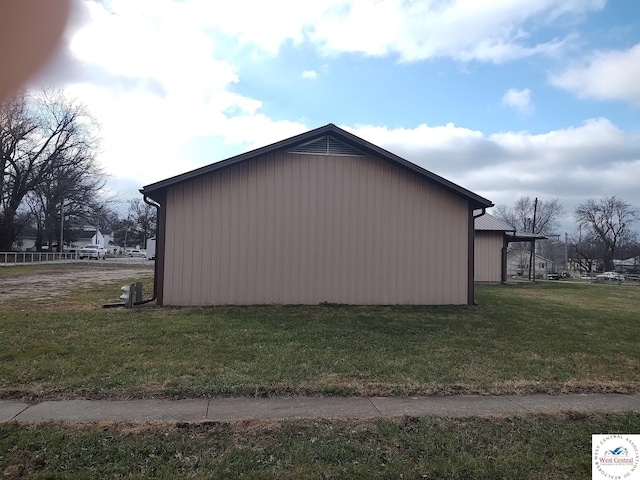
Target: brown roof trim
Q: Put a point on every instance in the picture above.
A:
(524, 237)
(476, 201)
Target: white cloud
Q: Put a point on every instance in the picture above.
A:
(591, 160)
(404, 141)
(310, 74)
(157, 88)
(518, 99)
(611, 75)
(259, 130)
(461, 29)
(493, 31)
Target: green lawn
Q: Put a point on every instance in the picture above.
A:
(521, 447)
(547, 337)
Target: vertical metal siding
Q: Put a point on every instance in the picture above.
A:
(305, 229)
(488, 256)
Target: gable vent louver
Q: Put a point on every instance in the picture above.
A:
(326, 146)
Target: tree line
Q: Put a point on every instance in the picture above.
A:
(51, 180)
(604, 228)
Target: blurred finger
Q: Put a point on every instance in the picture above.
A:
(30, 31)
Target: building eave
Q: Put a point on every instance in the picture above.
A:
(524, 237)
(475, 201)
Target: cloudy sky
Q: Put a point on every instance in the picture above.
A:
(503, 97)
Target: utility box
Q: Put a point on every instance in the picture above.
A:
(127, 295)
(138, 292)
(151, 248)
(131, 294)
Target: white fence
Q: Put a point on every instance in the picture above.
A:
(22, 258)
(33, 258)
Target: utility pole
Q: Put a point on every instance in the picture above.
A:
(61, 244)
(533, 242)
(126, 234)
(566, 251)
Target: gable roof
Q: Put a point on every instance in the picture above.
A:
(81, 234)
(346, 142)
(488, 222)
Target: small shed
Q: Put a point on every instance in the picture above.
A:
(492, 257)
(491, 241)
(324, 216)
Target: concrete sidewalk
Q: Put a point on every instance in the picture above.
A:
(230, 409)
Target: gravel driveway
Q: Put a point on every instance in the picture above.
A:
(56, 281)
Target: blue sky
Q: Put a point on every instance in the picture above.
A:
(504, 97)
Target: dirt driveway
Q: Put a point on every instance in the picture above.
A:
(55, 282)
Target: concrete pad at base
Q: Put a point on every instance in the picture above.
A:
(9, 409)
(453, 406)
(229, 409)
(590, 402)
(125, 411)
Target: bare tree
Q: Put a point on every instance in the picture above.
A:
(586, 250)
(144, 216)
(69, 196)
(630, 248)
(122, 231)
(46, 142)
(15, 128)
(609, 221)
(520, 216)
(139, 225)
(102, 214)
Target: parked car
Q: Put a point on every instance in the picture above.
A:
(136, 253)
(609, 277)
(553, 276)
(92, 251)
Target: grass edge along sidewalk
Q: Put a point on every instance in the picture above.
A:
(535, 446)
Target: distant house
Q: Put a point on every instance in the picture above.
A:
(74, 239)
(26, 241)
(518, 264)
(628, 265)
(324, 216)
(80, 238)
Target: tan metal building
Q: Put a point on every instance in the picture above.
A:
(324, 216)
(491, 250)
(491, 243)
